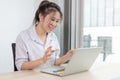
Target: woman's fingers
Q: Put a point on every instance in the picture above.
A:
(48, 49)
(70, 53)
(48, 53)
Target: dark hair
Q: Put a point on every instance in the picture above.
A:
(45, 8)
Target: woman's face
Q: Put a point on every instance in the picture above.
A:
(51, 21)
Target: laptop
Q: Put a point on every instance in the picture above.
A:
(81, 61)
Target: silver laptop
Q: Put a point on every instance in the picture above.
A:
(81, 61)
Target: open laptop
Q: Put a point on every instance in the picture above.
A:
(82, 60)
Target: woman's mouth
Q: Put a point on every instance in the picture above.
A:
(50, 28)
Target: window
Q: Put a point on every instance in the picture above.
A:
(101, 13)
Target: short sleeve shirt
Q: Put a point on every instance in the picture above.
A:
(29, 47)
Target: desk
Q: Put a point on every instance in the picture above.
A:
(101, 72)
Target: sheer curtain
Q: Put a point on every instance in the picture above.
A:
(76, 23)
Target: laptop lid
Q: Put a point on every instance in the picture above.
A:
(82, 60)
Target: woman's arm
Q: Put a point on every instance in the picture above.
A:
(64, 58)
(33, 64)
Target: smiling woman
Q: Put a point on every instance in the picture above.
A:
(34, 47)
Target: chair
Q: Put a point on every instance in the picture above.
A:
(106, 43)
(87, 41)
(13, 50)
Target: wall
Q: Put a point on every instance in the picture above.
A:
(15, 16)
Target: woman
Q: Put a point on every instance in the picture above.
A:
(38, 45)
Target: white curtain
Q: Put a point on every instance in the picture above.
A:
(76, 23)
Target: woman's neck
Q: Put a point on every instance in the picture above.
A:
(40, 31)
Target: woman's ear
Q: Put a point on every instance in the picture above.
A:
(41, 17)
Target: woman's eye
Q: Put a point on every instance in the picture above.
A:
(52, 19)
(57, 21)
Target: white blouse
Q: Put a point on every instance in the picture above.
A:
(29, 47)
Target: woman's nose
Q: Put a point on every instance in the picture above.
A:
(54, 24)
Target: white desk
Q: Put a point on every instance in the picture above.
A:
(101, 72)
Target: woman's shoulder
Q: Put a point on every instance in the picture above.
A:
(25, 33)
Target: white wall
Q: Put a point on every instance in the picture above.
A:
(15, 16)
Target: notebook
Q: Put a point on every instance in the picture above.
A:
(81, 61)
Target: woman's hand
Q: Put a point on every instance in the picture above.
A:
(48, 53)
(70, 53)
(64, 58)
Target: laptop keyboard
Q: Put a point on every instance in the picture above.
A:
(57, 69)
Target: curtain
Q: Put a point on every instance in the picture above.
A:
(73, 24)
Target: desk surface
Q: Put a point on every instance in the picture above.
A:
(101, 72)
